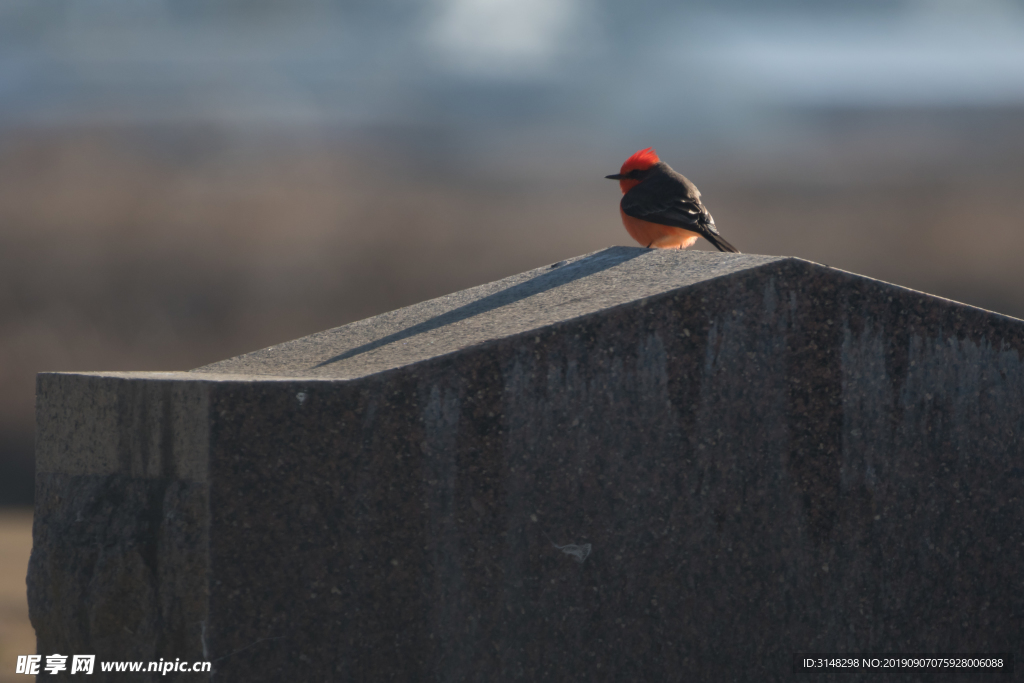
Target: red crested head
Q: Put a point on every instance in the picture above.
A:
(641, 161)
(635, 168)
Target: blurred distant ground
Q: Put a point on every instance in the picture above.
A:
(16, 634)
(152, 248)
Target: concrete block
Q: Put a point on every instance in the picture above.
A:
(634, 465)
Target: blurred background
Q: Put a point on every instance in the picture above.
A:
(182, 181)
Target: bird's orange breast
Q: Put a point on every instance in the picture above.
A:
(656, 235)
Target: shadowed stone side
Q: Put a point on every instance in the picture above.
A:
(120, 558)
(776, 458)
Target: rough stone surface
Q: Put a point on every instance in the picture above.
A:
(751, 456)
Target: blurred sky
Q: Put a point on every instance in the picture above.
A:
(584, 67)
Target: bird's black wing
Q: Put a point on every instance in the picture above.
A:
(689, 214)
(680, 212)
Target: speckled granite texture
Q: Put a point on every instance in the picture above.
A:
(637, 466)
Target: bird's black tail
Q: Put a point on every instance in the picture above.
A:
(720, 243)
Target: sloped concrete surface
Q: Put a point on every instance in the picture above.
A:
(570, 289)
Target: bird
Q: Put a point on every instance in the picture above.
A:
(661, 208)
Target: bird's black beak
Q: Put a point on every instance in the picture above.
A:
(617, 176)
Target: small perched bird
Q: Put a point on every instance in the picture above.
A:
(661, 208)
